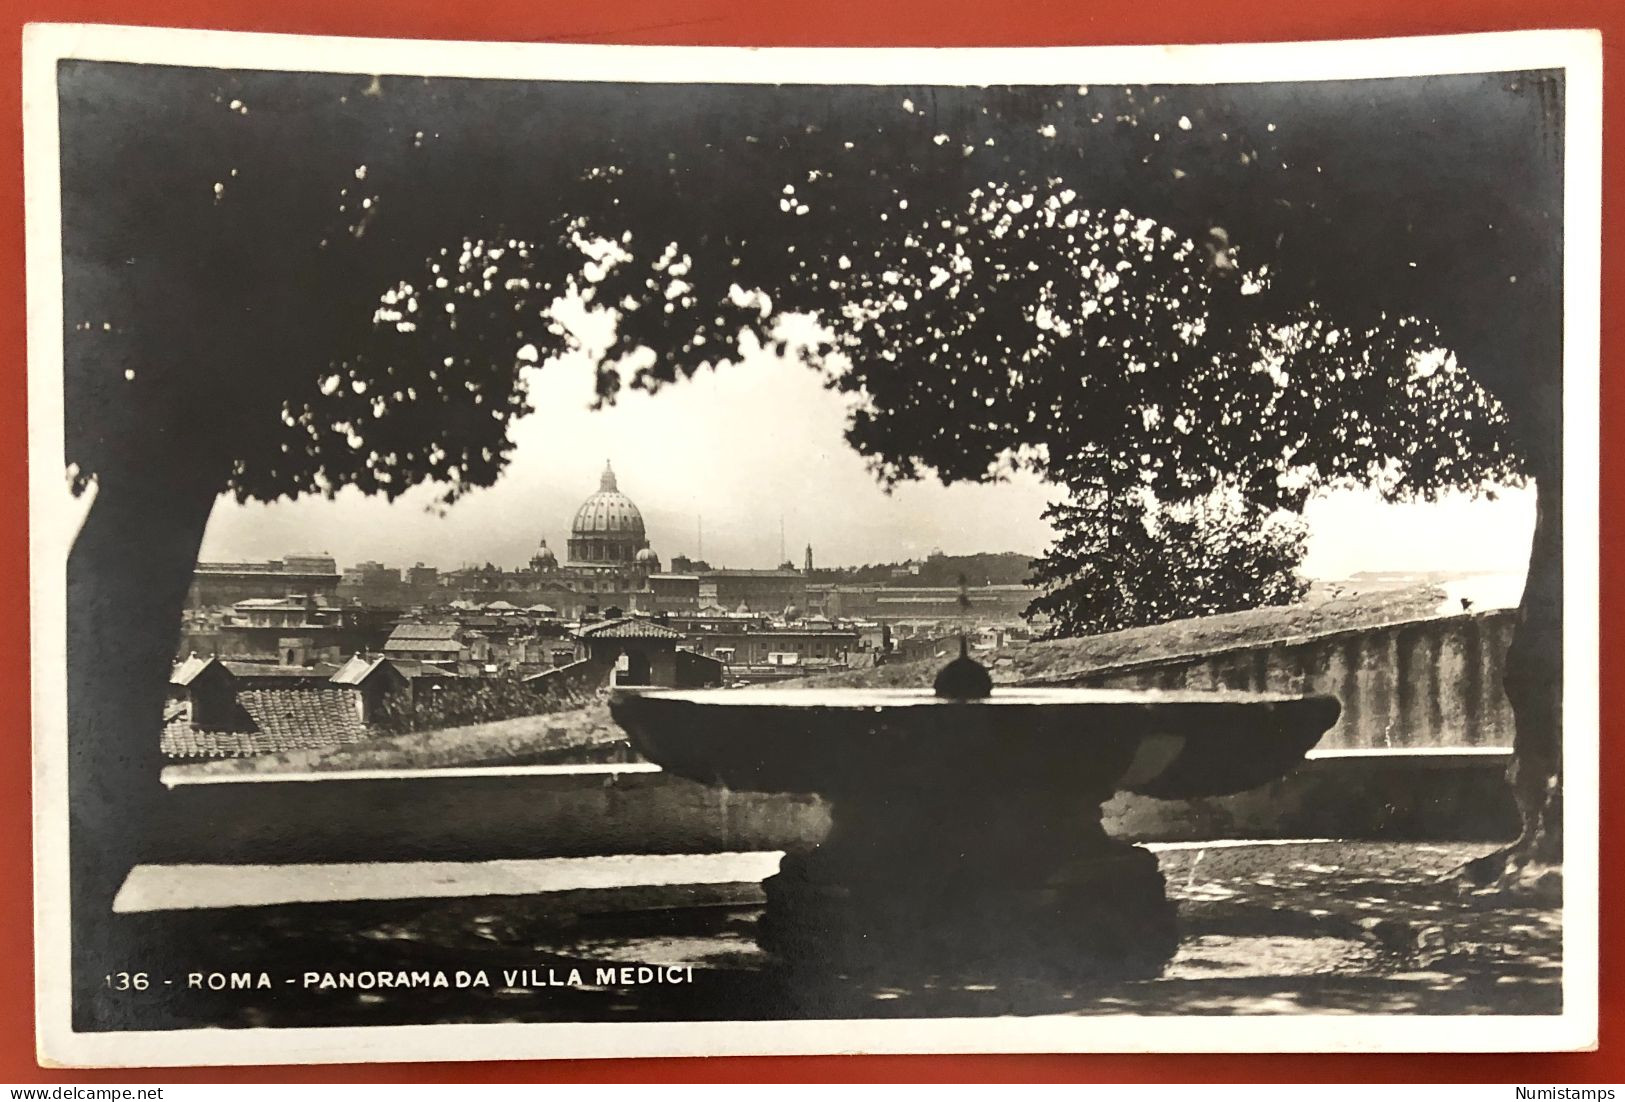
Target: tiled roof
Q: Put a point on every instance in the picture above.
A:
(415, 646)
(357, 670)
(187, 671)
(354, 671)
(266, 671)
(280, 720)
(413, 668)
(423, 631)
(628, 627)
(290, 604)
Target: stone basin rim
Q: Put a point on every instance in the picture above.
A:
(871, 699)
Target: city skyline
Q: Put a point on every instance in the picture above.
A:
(784, 457)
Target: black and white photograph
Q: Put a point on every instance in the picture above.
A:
(568, 551)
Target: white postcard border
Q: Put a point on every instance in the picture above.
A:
(55, 518)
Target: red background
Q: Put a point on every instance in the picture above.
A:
(782, 23)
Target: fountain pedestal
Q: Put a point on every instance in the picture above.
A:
(1083, 910)
(966, 836)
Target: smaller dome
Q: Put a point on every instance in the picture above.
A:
(648, 557)
(544, 556)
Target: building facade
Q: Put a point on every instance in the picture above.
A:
(981, 604)
(770, 591)
(219, 584)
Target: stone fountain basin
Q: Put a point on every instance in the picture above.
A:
(1172, 745)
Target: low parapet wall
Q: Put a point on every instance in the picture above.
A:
(471, 814)
(577, 811)
(1420, 683)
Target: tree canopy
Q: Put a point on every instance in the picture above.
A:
(314, 281)
(1121, 561)
(252, 261)
(1104, 348)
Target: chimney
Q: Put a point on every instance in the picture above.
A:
(211, 697)
(294, 651)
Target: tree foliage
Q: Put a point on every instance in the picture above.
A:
(1154, 290)
(1125, 362)
(1026, 328)
(1123, 561)
(241, 249)
(460, 703)
(314, 281)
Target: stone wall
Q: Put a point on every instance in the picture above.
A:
(1422, 683)
(1419, 752)
(588, 810)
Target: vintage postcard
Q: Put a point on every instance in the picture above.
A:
(577, 551)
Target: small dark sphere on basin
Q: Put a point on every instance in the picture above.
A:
(964, 678)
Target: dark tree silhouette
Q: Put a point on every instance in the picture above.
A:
(1123, 561)
(276, 284)
(482, 700)
(1121, 360)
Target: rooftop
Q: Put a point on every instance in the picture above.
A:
(414, 669)
(415, 646)
(783, 631)
(424, 631)
(357, 670)
(271, 721)
(628, 627)
(189, 669)
(251, 670)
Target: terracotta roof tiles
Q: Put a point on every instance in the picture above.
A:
(423, 631)
(628, 627)
(280, 720)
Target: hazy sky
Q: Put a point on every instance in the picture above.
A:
(747, 445)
